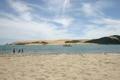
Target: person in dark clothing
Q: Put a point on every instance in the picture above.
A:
(22, 51)
(14, 50)
(19, 51)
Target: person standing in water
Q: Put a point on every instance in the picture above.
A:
(19, 51)
(14, 50)
(22, 51)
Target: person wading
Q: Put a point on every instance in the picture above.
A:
(19, 51)
(14, 50)
(22, 51)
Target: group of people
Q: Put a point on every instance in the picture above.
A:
(19, 51)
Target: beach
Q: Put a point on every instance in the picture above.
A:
(60, 67)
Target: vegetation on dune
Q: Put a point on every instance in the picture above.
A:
(35, 42)
(72, 41)
(44, 43)
(21, 43)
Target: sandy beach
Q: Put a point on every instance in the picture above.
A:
(60, 67)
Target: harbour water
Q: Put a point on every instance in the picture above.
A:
(42, 49)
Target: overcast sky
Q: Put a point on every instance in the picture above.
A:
(58, 19)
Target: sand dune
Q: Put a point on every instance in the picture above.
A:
(48, 42)
(114, 39)
(60, 67)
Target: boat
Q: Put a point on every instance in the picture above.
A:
(67, 45)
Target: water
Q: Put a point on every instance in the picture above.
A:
(42, 49)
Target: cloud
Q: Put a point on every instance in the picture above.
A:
(21, 8)
(107, 21)
(99, 24)
(95, 31)
(30, 28)
(54, 19)
(66, 4)
(19, 29)
(96, 8)
(64, 21)
(57, 7)
(25, 26)
(90, 9)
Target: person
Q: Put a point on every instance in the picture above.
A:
(14, 50)
(22, 51)
(19, 51)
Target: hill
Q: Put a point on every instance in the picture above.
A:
(114, 39)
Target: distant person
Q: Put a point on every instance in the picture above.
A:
(14, 50)
(19, 51)
(22, 51)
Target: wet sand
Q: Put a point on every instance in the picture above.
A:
(60, 67)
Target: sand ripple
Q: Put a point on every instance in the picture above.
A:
(60, 67)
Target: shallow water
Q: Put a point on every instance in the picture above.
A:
(88, 48)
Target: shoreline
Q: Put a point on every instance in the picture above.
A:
(57, 54)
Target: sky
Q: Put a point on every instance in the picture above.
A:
(58, 19)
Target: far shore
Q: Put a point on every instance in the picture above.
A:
(113, 39)
(50, 42)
